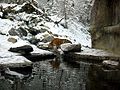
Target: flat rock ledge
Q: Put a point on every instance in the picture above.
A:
(91, 55)
(15, 62)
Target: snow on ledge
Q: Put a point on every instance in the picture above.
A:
(15, 61)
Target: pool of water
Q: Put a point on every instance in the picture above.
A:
(51, 74)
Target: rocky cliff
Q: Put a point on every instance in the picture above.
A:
(105, 25)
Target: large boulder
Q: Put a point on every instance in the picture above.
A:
(26, 49)
(68, 47)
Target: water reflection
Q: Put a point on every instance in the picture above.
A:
(52, 74)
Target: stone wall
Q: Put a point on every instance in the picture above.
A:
(105, 25)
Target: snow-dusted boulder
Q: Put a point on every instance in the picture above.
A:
(18, 32)
(33, 31)
(34, 41)
(14, 61)
(68, 47)
(47, 38)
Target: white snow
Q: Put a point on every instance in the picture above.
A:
(1, 14)
(4, 5)
(76, 32)
(6, 25)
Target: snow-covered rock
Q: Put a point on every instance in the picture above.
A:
(68, 47)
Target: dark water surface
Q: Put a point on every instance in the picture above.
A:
(51, 74)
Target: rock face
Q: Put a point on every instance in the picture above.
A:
(105, 26)
(26, 49)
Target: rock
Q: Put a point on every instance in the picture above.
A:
(43, 46)
(38, 56)
(28, 8)
(13, 40)
(33, 41)
(33, 31)
(47, 38)
(110, 64)
(26, 49)
(105, 35)
(42, 30)
(13, 32)
(68, 47)
(18, 32)
(14, 61)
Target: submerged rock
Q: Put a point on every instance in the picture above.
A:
(26, 49)
(110, 64)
